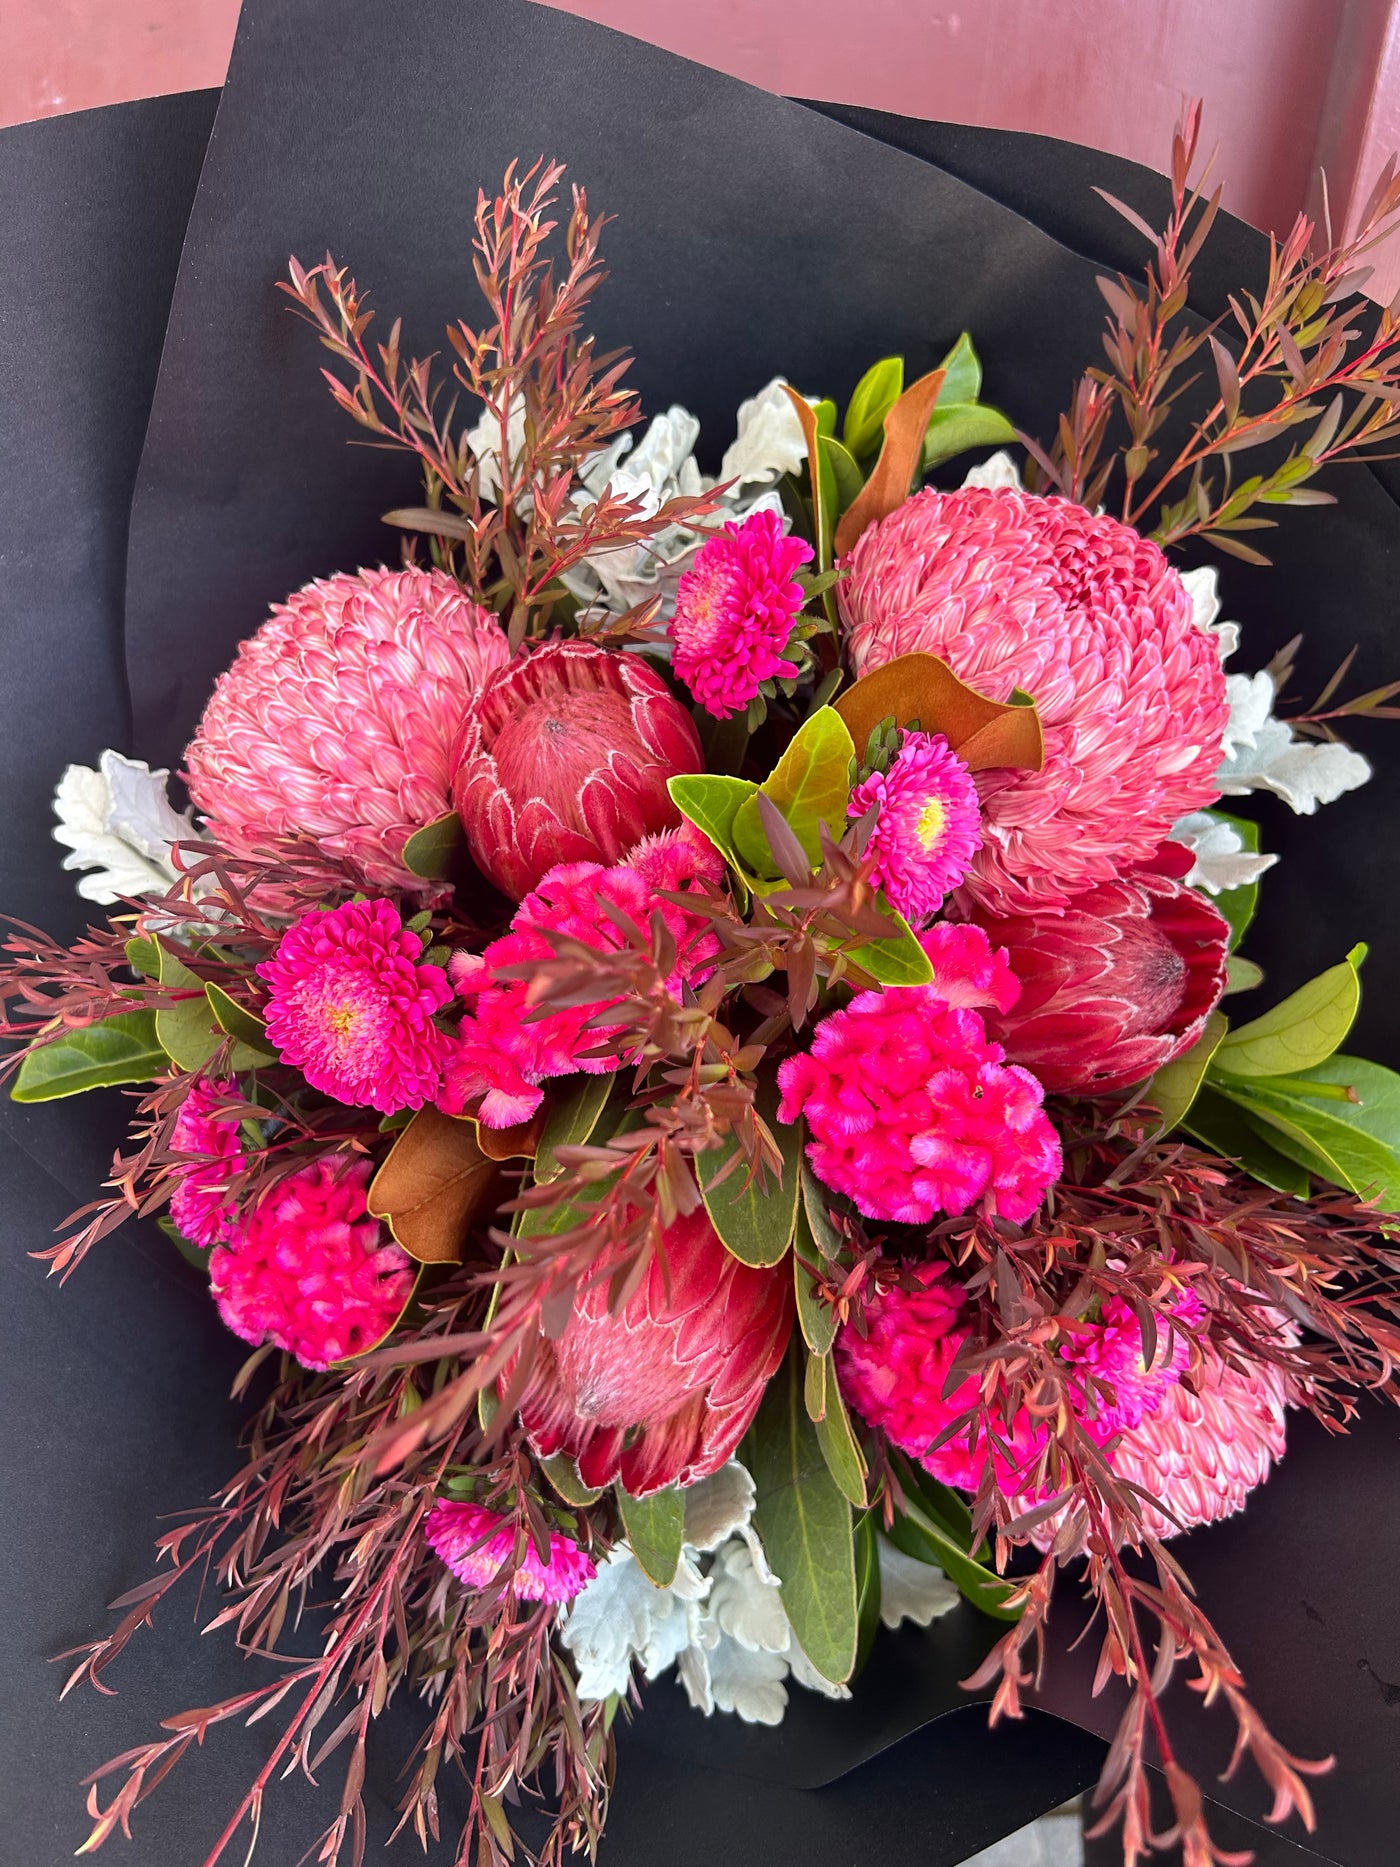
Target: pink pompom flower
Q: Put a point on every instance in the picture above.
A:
(928, 826)
(351, 1008)
(476, 1544)
(735, 610)
(912, 1110)
(200, 1207)
(306, 1268)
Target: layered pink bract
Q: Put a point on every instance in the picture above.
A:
(340, 720)
(476, 1544)
(309, 1270)
(566, 759)
(929, 825)
(200, 1207)
(1079, 611)
(735, 612)
(662, 1392)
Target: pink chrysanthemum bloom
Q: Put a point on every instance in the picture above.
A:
(1017, 591)
(735, 610)
(1118, 1387)
(309, 1270)
(351, 1008)
(911, 1109)
(341, 718)
(200, 1208)
(502, 1054)
(476, 1543)
(929, 825)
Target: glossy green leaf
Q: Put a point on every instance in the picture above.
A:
(143, 956)
(846, 477)
(867, 1553)
(1302, 1031)
(900, 960)
(962, 373)
(952, 429)
(922, 1536)
(1225, 1128)
(1238, 904)
(562, 1473)
(187, 1030)
(811, 786)
(840, 1447)
(817, 1320)
(871, 400)
(805, 1525)
(711, 803)
(655, 1529)
(121, 1049)
(438, 850)
(1326, 1138)
(575, 1112)
(1376, 1109)
(1176, 1085)
(237, 1021)
(756, 1224)
(1242, 975)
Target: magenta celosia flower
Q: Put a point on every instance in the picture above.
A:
(475, 1544)
(341, 718)
(200, 1207)
(502, 1053)
(912, 1110)
(735, 610)
(1017, 591)
(351, 1008)
(306, 1268)
(929, 824)
(566, 759)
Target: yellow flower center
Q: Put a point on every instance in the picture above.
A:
(932, 819)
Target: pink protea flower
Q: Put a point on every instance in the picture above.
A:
(200, 1207)
(350, 1007)
(735, 610)
(1115, 984)
(1076, 609)
(475, 1544)
(566, 759)
(306, 1268)
(502, 1053)
(929, 824)
(340, 719)
(662, 1392)
(911, 1109)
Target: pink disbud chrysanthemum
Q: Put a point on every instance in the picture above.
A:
(341, 718)
(476, 1544)
(735, 610)
(928, 824)
(307, 1269)
(351, 1007)
(566, 759)
(200, 1207)
(912, 1110)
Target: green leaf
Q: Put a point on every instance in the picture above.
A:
(840, 1448)
(711, 803)
(193, 1254)
(438, 850)
(1326, 1138)
(237, 1021)
(1223, 1127)
(121, 1049)
(804, 1522)
(1303, 1030)
(1175, 1086)
(936, 1527)
(187, 1030)
(900, 960)
(1238, 904)
(1241, 975)
(847, 478)
(817, 1320)
(953, 428)
(655, 1529)
(867, 1552)
(562, 1473)
(574, 1114)
(810, 784)
(871, 400)
(143, 956)
(756, 1226)
(962, 373)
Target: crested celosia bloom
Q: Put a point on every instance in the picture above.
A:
(566, 759)
(1116, 983)
(351, 1008)
(306, 1268)
(929, 824)
(503, 1054)
(200, 1207)
(341, 718)
(662, 1392)
(1079, 611)
(735, 611)
(911, 1109)
(476, 1544)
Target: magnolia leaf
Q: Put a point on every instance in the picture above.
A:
(574, 1114)
(1241, 975)
(811, 786)
(437, 851)
(1176, 1085)
(1327, 1139)
(822, 479)
(1303, 1030)
(562, 1473)
(840, 1448)
(756, 1226)
(900, 458)
(655, 1529)
(900, 960)
(956, 427)
(962, 375)
(711, 803)
(804, 1522)
(436, 1183)
(922, 687)
(871, 400)
(816, 1319)
(238, 1021)
(1225, 1128)
(846, 477)
(121, 1049)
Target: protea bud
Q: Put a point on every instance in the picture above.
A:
(1115, 984)
(662, 1392)
(566, 760)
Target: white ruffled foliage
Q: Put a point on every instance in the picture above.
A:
(1222, 861)
(118, 824)
(722, 1621)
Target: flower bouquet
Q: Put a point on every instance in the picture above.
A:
(688, 1026)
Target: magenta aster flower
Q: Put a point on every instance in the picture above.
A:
(340, 719)
(350, 1007)
(200, 1208)
(1016, 591)
(306, 1267)
(735, 610)
(912, 1110)
(476, 1544)
(929, 824)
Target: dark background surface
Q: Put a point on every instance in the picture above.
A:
(753, 237)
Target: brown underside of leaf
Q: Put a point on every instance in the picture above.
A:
(982, 732)
(436, 1183)
(888, 486)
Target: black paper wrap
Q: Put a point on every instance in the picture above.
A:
(753, 236)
